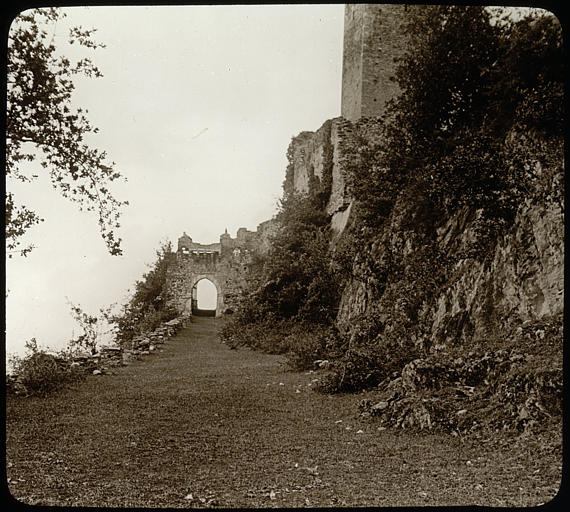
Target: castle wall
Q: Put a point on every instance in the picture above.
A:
(319, 161)
(225, 264)
(373, 40)
(352, 61)
(323, 157)
(310, 160)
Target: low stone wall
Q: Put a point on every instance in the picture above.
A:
(147, 343)
(107, 357)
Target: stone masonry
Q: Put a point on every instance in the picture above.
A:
(225, 264)
(373, 40)
(320, 159)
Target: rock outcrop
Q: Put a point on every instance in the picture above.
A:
(507, 297)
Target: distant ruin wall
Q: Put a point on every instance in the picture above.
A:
(225, 264)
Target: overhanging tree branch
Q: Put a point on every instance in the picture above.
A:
(40, 113)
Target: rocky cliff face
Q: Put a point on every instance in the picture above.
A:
(487, 315)
(521, 281)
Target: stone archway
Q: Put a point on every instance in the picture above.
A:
(219, 292)
(226, 264)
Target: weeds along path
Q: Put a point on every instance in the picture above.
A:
(201, 425)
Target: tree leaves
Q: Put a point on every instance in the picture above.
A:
(43, 125)
(18, 220)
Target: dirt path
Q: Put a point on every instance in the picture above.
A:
(201, 425)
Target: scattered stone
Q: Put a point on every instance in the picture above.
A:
(380, 406)
(97, 372)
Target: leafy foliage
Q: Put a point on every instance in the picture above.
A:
(43, 125)
(296, 269)
(90, 325)
(467, 81)
(42, 373)
(18, 220)
(297, 287)
(148, 307)
(480, 101)
(442, 77)
(307, 343)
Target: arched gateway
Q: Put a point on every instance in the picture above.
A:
(225, 264)
(192, 303)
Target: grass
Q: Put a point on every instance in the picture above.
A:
(200, 425)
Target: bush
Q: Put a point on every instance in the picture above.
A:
(42, 373)
(358, 369)
(267, 336)
(307, 344)
(368, 360)
(295, 284)
(155, 317)
(149, 305)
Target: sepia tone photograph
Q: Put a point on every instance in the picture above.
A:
(284, 256)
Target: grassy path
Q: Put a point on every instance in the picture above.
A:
(200, 425)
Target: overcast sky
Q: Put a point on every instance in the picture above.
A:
(196, 107)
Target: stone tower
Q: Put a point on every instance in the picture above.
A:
(373, 39)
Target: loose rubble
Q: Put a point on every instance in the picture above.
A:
(497, 389)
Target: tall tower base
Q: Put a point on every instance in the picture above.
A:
(373, 39)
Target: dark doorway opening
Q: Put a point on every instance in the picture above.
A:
(203, 312)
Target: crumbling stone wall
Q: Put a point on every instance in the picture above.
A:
(373, 40)
(318, 162)
(225, 264)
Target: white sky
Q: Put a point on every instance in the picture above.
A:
(197, 107)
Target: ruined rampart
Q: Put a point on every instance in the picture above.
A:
(225, 264)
